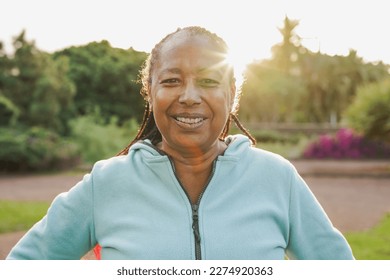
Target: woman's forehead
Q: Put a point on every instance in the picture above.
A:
(198, 53)
(185, 40)
(190, 51)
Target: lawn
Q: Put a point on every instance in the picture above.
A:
(17, 216)
(373, 244)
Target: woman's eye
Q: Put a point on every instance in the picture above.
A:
(208, 83)
(170, 82)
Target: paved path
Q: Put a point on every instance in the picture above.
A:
(355, 195)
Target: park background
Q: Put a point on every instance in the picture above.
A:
(315, 89)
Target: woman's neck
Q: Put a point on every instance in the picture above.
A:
(193, 157)
(193, 167)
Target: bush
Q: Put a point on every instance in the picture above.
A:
(346, 144)
(35, 149)
(272, 136)
(98, 140)
(369, 114)
(265, 135)
(9, 113)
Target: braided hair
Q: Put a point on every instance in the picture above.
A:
(148, 128)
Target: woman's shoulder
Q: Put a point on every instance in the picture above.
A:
(108, 164)
(107, 169)
(241, 147)
(139, 150)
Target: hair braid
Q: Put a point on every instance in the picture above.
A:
(243, 129)
(146, 120)
(226, 129)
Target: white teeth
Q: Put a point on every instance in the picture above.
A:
(189, 120)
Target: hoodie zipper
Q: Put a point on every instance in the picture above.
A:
(195, 208)
(195, 229)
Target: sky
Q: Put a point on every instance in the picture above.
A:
(250, 27)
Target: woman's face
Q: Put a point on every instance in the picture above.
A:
(191, 93)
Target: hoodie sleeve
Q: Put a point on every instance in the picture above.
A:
(67, 230)
(312, 235)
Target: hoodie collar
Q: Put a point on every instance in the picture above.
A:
(237, 144)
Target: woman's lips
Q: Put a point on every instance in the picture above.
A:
(189, 121)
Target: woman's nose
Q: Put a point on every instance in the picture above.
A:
(190, 95)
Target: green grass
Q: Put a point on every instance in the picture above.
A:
(373, 244)
(17, 216)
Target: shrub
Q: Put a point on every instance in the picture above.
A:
(98, 140)
(273, 136)
(369, 114)
(346, 144)
(9, 113)
(265, 135)
(35, 149)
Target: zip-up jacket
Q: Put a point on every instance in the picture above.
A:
(254, 206)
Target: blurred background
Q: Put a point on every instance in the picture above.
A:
(314, 75)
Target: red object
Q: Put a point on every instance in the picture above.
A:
(97, 250)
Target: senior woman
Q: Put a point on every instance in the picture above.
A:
(183, 188)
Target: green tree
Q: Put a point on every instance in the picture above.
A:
(273, 88)
(37, 86)
(286, 53)
(271, 95)
(9, 113)
(332, 82)
(106, 77)
(302, 86)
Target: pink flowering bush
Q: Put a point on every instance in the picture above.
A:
(346, 144)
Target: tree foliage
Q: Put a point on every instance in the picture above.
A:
(285, 54)
(369, 113)
(34, 87)
(268, 95)
(105, 77)
(297, 85)
(45, 98)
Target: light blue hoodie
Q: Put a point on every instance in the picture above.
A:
(255, 206)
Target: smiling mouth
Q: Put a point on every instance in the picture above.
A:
(189, 120)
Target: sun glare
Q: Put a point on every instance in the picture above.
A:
(245, 49)
(239, 61)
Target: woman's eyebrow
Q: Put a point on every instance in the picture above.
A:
(214, 69)
(207, 70)
(171, 70)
